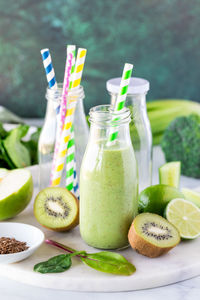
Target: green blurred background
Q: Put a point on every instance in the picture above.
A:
(161, 38)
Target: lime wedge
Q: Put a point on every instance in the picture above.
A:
(185, 216)
(191, 196)
(169, 173)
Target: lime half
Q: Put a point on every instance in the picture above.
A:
(190, 195)
(185, 216)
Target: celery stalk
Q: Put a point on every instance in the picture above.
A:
(162, 112)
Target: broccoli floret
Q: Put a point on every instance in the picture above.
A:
(181, 142)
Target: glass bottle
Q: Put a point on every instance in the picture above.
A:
(108, 182)
(140, 129)
(48, 134)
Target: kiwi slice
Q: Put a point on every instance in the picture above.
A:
(56, 208)
(152, 235)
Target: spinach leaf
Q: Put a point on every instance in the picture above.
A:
(56, 264)
(35, 136)
(3, 132)
(109, 262)
(32, 146)
(5, 161)
(17, 152)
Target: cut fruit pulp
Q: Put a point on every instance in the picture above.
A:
(185, 216)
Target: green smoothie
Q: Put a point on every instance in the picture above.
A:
(108, 195)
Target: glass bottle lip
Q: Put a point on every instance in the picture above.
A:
(105, 116)
(56, 94)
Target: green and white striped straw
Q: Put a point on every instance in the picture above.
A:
(71, 174)
(121, 99)
(72, 69)
(71, 143)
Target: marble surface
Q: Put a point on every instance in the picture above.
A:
(183, 290)
(181, 263)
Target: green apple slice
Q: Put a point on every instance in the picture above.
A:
(16, 190)
(3, 173)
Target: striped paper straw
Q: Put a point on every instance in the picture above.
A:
(65, 137)
(63, 106)
(47, 62)
(70, 161)
(70, 182)
(121, 99)
(69, 164)
(60, 158)
(50, 74)
(73, 69)
(68, 70)
(76, 187)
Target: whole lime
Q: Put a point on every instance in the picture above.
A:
(155, 198)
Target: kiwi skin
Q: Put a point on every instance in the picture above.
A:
(144, 247)
(72, 225)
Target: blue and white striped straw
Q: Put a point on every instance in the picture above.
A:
(50, 74)
(47, 62)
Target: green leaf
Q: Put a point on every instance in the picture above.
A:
(5, 161)
(17, 152)
(3, 132)
(56, 264)
(109, 262)
(32, 146)
(35, 136)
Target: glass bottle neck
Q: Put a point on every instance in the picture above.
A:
(54, 99)
(136, 100)
(101, 135)
(55, 95)
(103, 121)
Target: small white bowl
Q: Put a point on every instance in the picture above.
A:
(33, 237)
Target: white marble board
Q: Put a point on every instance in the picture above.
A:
(183, 262)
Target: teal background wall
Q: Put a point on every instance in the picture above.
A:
(161, 38)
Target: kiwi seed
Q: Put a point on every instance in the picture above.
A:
(62, 205)
(150, 228)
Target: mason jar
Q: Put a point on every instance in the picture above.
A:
(48, 134)
(140, 129)
(108, 181)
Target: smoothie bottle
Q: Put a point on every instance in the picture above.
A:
(108, 182)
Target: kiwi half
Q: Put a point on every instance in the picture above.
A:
(56, 208)
(152, 235)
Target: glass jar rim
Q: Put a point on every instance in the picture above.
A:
(56, 94)
(104, 115)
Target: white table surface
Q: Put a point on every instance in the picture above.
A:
(185, 290)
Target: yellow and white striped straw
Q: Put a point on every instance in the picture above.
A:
(80, 60)
(66, 133)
